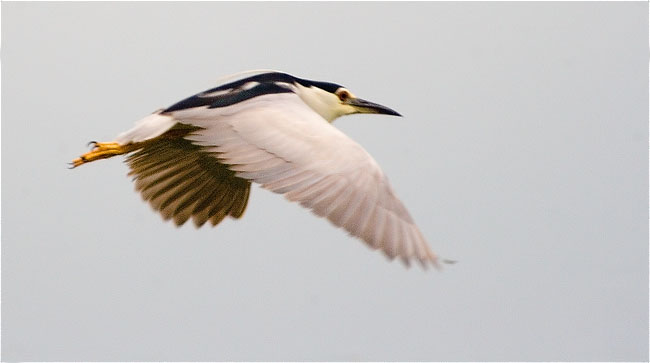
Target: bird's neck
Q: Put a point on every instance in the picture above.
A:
(322, 102)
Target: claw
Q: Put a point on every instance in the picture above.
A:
(76, 162)
(92, 144)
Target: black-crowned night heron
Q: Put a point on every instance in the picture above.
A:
(197, 159)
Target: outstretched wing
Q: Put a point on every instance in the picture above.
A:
(180, 181)
(279, 142)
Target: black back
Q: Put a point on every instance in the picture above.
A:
(268, 84)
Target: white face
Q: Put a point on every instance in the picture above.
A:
(326, 104)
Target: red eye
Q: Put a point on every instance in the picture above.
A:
(344, 95)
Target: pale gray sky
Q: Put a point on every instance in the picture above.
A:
(522, 153)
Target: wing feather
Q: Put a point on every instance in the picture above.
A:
(269, 163)
(182, 181)
(199, 189)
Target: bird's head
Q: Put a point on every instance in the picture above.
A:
(332, 101)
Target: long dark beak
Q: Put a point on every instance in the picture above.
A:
(364, 106)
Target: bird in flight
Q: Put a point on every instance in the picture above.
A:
(197, 159)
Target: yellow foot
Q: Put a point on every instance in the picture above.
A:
(101, 150)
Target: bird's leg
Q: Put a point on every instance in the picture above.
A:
(103, 150)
